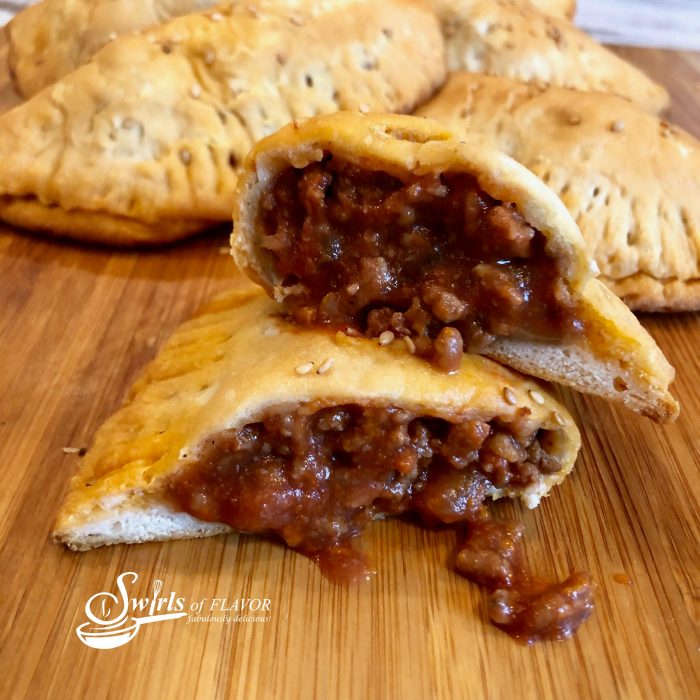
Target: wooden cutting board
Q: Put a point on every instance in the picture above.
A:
(77, 324)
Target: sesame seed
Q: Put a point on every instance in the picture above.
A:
(509, 396)
(352, 289)
(353, 332)
(617, 126)
(196, 91)
(112, 36)
(558, 418)
(574, 119)
(363, 108)
(368, 140)
(304, 368)
(536, 396)
(410, 345)
(236, 86)
(296, 21)
(185, 156)
(216, 17)
(325, 365)
(210, 57)
(386, 337)
(71, 450)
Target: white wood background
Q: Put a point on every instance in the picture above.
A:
(671, 24)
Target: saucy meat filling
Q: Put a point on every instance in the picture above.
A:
(316, 476)
(432, 257)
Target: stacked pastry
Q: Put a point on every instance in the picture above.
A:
(396, 259)
(406, 272)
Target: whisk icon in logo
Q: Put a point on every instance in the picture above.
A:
(108, 631)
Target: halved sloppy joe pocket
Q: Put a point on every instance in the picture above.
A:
(432, 257)
(316, 475)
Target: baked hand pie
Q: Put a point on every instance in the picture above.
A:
(391, 227)
(52, 38)
(637, 208)
(244, 421)
(512, 39)
(143, 144)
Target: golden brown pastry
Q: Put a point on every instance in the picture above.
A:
(51, 38)
(245, 421)
(143, 144)
(510, 38)
(392, 227)
(628, 178)
(564, 9)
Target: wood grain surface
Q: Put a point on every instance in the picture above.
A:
(77, 324)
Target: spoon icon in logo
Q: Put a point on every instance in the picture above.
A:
(101, 633)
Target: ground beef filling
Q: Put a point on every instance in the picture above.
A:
(433, 258)
(317, 476)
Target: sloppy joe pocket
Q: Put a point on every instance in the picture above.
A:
(432, 257)
(245, 421)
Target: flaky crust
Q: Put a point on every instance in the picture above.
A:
(646, 293)
(54, 37)
(401, 145)
(95, 227)
(628, 178)
(153, 129)
(235, 361)
(511, 39)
